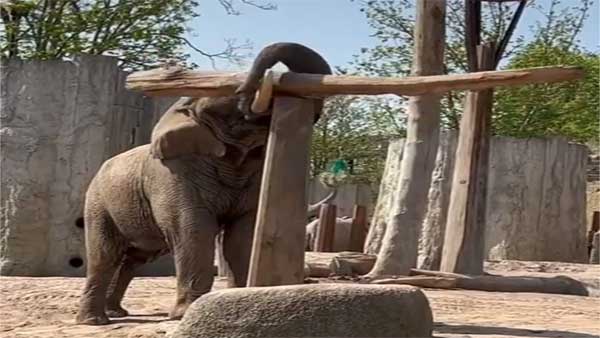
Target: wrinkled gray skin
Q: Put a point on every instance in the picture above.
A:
(200, 174)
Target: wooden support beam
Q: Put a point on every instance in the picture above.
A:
(326, 228)
(594, 227)
(181, 82)
(278, 250)
(358, 231)
(463, 250)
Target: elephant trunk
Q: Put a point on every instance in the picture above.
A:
(313, 209)
(298, 58)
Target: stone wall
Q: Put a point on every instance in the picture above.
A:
(59, 121)
(536, 200)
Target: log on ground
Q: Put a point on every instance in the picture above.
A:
(554, 285)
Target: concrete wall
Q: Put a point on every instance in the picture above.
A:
(536, 200)
(59, 122)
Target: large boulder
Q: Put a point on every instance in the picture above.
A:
(310, 310)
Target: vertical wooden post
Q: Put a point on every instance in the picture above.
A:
(326, 228)
(278, 250)
(358, 231)
(595, 227)
(465, 230)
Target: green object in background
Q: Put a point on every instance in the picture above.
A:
(339, 167)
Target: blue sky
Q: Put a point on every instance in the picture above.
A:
(335, 28)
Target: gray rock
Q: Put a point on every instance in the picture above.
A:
(313, 310)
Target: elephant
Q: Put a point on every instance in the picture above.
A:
(199, 175)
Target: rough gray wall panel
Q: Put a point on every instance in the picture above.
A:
(59, 121)
(536, 204)
(385, 199)
(537, 200)
(431, 241)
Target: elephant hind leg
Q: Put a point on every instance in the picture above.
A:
(105, 247)
(132, 259)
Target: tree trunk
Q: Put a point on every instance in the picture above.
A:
(399, 248)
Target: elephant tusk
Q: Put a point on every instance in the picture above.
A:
(262, 98)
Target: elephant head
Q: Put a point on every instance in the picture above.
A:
(225, 127)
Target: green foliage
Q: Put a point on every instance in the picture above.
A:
(570, 109)
(358, 128)
(141, 33)
(350, 131)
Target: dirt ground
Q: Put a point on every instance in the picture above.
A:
(45, 307)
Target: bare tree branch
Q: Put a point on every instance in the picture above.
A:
(229, 5)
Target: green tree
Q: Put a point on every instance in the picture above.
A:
(140, 33)
(393, 21)
(569, 109)
(348, 131)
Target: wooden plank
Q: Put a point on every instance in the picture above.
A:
(358, 231)
(278, 250)
(181, 82)
(326, 228)
(595, 227)
(463, 250)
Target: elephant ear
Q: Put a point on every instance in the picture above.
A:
(177, 134)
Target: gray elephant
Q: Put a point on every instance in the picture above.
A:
(200, 175)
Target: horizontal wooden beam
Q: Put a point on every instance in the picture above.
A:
(182, 82)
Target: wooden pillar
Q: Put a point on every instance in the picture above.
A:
(358, 231)
(278, 250)
(595, 227)
(326, 228)
(465, 229)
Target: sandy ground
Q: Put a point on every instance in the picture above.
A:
(45, 307)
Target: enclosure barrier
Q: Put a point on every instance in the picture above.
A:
(278, 250)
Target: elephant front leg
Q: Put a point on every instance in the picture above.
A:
(194, 253)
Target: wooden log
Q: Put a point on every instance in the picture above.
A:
(595, 251)
(464, 239)
(594, 227)
(324, 264)
(278, 250)
(554, 285)
(358, 230)
(326, 228)
(181, 82)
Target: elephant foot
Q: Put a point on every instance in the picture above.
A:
(116, 312)
(178, 311)
(89, 319)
